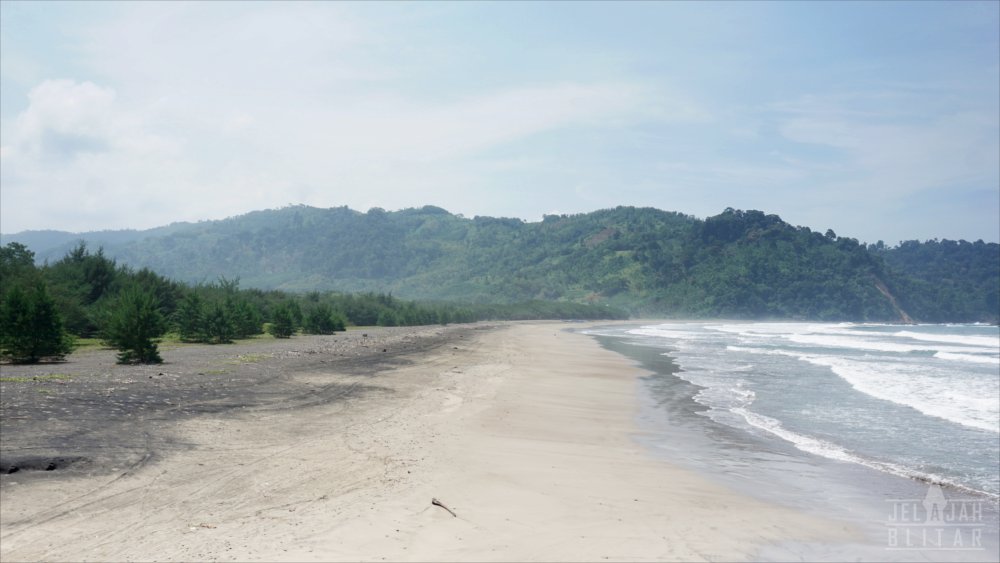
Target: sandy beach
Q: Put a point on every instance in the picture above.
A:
(526, 434)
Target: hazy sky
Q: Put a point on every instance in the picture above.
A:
(879, 120)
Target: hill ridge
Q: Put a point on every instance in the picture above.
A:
(739, 263)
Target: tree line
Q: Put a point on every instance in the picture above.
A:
(45, 309)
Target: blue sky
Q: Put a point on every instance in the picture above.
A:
(878, 120)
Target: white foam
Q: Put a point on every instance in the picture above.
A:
(976, 359)
(944, 390)
(847, 335)
(873, 344)
(804, 443)
(950, 377)
(761, 351)
(725, 397)
(969, 401)
(762, 330)
(991, 342)
(833, 451)
(663, 332)
(966, 401)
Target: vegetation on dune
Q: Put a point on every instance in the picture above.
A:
(131, 311)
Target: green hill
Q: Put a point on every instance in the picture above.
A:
(947, 280)
(744, 264)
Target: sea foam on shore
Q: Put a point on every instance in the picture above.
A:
(836, 419)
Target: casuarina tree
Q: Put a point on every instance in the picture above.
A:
(321, 319)
(31, 328)
(282, 322)
(132, 325)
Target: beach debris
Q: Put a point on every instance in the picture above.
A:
(436, 502)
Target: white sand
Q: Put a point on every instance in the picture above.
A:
(526, 432)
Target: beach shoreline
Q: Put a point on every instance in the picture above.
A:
(524, 432)
(681, 427)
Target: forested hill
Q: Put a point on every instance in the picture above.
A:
(744, 264)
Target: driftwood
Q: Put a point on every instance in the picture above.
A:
(436, 502)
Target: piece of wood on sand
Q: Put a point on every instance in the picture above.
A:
(436, 502)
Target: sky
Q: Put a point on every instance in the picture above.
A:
(880, 121)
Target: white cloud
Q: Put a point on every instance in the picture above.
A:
(92, 153)
(895, 154)
(209, 110)
(186, 111)
(64, 118)
(401, 129)
(74, 154)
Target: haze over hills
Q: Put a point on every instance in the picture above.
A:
(745, 264)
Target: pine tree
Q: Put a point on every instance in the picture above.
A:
(246, 321)
(283, 323)
(388, 317)
(295, 311)
(339, 323)
(321, 319)
(219, 327)
(132, 325)
(31, 328)
(190, 319)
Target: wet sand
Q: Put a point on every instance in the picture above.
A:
(332, 448)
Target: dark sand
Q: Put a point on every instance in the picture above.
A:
(90, 416)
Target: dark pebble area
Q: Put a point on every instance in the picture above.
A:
(97, 417)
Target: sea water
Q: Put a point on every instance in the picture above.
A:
(837, 416)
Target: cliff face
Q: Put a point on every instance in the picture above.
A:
(903, 316)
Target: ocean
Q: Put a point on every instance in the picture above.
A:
(845, 419)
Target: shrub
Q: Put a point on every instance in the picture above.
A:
(132, 325)
(31, 328)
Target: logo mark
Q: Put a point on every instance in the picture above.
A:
(935, 523)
